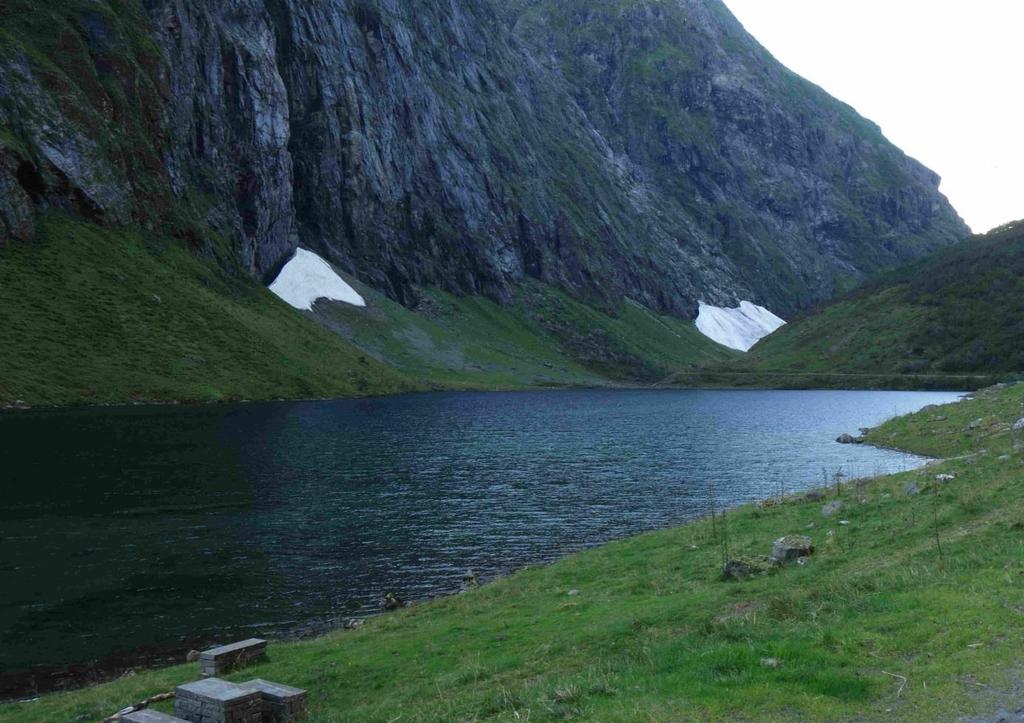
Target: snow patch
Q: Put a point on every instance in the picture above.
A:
(307, 277)
(738, 328)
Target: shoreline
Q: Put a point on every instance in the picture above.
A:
(20, 407)
(667, 582)
(110, 668)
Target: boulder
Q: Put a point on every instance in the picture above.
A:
(975, 424)
(945, 477)
(391, 602)
(849, 439)
(1018, 426)
(792, 547)
(832, 508)
(743, 568)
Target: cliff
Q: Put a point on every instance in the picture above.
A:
(647, 149)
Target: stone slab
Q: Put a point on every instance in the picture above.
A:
(228, 657)
(150, 716)
(281, 703)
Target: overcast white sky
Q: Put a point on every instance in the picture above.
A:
(943, 78)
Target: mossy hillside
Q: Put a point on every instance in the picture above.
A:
(97, 61)
(543, 337)
(911, 611)
(103, 315)
(454, 342)
(982, 425)
(96, 315)
(958, 312)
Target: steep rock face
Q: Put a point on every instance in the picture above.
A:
(656, 153)
(81, 104)
(798, 190)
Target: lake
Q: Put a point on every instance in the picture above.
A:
(130, 535)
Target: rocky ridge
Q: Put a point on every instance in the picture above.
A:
(655, 153)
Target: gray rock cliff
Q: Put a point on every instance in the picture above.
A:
(644, 149)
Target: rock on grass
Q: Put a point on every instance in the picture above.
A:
(744, 568)
(792, 547)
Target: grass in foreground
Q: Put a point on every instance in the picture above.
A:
(912, 611)
(94, 315)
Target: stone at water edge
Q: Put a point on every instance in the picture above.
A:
(391, 602)
(832, 508)
(792, 547)
(814, 496)
(849, 439)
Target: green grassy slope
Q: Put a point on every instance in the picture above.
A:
(958, 312)
(94, 315)
(912, 611)
(541, 338)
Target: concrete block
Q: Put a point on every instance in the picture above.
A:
(229, 657)
(281, 703)
(213, 700)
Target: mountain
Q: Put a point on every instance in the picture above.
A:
(653, 158)
(959, 312)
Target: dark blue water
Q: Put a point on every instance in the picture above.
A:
(132, 534)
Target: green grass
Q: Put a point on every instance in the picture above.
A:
(457, 342)
(93, 315)
(913, 611)
(960, 312)
(541, 338)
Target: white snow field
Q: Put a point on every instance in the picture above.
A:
(738, 328)
(307, 277)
